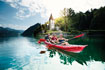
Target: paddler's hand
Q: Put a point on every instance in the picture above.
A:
(66, 39)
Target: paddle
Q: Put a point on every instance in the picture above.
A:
(77, 36)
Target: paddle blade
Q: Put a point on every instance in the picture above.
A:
(38, 42)
(79, 36)
(41, 40)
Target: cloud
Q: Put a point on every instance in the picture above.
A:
(29, 8)
(55, 6)
(23, 13)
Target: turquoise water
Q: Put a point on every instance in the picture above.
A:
(22, 53)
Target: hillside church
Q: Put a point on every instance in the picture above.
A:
(51, 23)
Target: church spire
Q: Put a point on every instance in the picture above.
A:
(51, 17)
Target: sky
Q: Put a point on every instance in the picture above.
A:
(21, 14)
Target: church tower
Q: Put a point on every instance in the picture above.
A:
(51, 22)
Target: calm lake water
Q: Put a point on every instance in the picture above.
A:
(22, 53)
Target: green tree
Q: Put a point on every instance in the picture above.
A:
(70, 16)
(64, 14)
(60, 23)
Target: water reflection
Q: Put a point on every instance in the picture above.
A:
(68, 57)
(93, 52)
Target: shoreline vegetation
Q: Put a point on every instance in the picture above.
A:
(91, 22)
(71, 23)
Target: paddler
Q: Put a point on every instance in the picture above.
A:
(48, 38)
(54, 38)
(61, 40)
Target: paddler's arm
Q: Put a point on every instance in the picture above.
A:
(50, 40)
(58, 40)
(65, 39)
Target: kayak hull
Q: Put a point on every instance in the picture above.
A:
(69, 48)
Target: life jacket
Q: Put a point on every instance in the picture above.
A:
(54, 38)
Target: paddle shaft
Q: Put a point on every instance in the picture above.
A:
(77, 36)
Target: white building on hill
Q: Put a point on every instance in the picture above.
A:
(51, 22)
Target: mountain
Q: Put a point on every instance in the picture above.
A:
(32, 31)
(8, 32)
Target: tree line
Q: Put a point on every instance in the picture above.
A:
(93, 19)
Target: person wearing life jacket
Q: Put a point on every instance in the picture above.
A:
(61, 40)
(48, 38)
(54, 38)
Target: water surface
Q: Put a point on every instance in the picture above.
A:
(22, 53)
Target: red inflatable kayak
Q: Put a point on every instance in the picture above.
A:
(69, 48)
